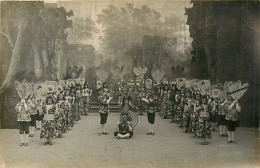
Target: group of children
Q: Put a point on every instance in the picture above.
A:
(52, 114)
(195, 113)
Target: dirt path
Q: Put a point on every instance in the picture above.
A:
(170, 147)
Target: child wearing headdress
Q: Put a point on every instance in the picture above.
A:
(181, 106)
(33, 114)
(23, 118)
(151, 105)
(86, 93)
(195, 115)
(187, 111)
(172, 103)
(126, 104)
(104, 99)
(165, 102)
(73, 104)
(48, 126)
(178, 107)
(232, 115)
(68, 104)
(204, 122)
(142, 94)
(39, 115)
(221, 117)
(213, 109)
(60, 116)
(78, 104)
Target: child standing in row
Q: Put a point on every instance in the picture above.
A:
(23, 118)
(204, 124)
(49, 128)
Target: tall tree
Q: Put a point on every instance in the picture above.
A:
(224, 47)
(15, 18)
(31, 29)
(52, 37)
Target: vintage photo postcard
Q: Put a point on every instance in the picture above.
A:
(129, 84)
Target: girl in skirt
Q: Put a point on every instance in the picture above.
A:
(164, 104)
(78, 104)
(213, 108)
(60, 116)
(86, 93)
(126, 104)
(178, 109)
(73, 105)
(187, 111)
(195, 115)
(48, 126)
(141, 104)
(181, 106)
(68, 101)
(172, 102)
(39, 115)
(204, 122)
(33, 114)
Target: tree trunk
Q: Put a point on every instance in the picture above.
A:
(15, 59)
(38, 62)
(9, 37)
(46, 60)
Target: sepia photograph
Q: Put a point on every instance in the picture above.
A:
(129, 84)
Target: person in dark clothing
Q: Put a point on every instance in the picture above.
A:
(124, 129)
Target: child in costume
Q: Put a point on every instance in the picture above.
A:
(39, 116)
(178, 108)
(60, 116)
(142, 94)
(78, 104)
(213, 108)
(151, 105)
(48, 126)
(124, 129)
(187, 111)
(181, 106)
(68, 102)
(233, 109)
(86, 93)
(126, 104)
(33, 114)
(195, 115)
(221, 118)
(164, 104)
(103, 98)
(204, 122)
(73, 104)
(172, 103)
(23, 118)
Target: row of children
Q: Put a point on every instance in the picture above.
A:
(53, 112)
(197, 113)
